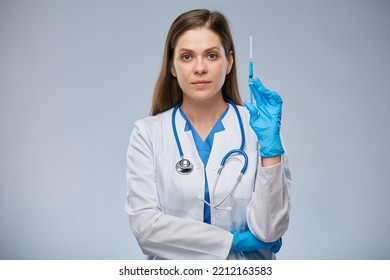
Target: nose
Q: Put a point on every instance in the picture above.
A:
(200, 66)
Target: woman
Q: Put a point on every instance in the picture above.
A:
(187, 209)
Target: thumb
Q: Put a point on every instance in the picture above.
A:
(252, 111)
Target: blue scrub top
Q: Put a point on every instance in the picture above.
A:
(204, 150)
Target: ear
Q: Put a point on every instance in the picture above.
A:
(173, 70)
(230, 63)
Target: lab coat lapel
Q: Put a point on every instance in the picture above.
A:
(228, 139)
(187, 142)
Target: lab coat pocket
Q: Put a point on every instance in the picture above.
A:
(179, 194)
(242, 195)
(238, 212)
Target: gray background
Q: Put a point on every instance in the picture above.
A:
(75, 75)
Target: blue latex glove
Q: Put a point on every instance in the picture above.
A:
(247, 242)
(265, 118)
(276, 245)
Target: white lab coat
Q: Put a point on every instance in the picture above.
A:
(165, 210)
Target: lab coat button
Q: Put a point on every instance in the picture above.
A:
(218, 216)
(213, 167)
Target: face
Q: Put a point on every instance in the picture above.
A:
(200, 64)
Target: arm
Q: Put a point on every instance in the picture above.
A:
(158, 234)
(268, 212)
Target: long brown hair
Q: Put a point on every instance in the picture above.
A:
(167, 91)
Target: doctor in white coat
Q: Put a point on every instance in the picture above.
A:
(180, 204)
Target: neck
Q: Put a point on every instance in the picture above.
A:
(204, 114)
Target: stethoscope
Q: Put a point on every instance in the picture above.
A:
(185, 167)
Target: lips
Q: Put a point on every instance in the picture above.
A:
(200, 82)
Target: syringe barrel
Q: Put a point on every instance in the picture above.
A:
(250, 67)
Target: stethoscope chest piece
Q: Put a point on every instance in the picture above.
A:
(184, 166)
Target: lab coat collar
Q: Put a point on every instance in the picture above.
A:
(218, 127)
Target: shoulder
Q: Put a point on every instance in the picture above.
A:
(152, 124)
(244, 113)
(245, 118)
(154, 121)
(242, 109)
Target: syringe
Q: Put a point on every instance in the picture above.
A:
(250, 66)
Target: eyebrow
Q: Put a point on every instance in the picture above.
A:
(206, 50)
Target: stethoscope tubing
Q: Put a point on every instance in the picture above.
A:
(187, 167)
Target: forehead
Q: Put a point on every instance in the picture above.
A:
(198, 39)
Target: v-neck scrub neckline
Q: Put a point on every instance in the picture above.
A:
(204, 151)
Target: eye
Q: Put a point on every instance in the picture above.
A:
(212, 56)
(186, 57)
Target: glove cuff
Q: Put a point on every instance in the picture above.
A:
(236, 241)
(275, 148)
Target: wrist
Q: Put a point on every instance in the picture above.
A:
(270, 161)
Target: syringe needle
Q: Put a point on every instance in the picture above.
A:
(250, 58)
